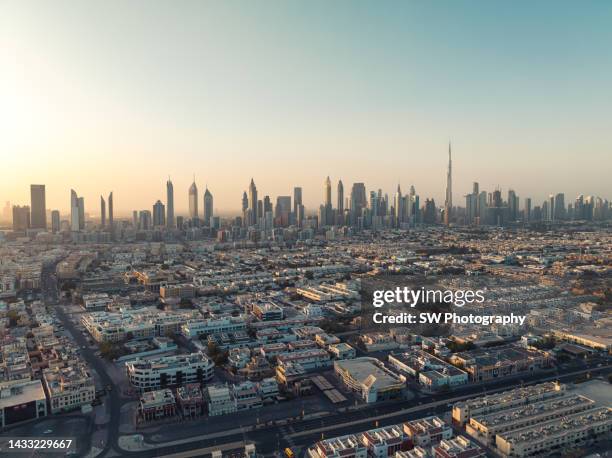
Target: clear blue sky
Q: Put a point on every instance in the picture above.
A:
(120, 94)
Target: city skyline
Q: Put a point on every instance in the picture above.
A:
(190, 208)
(231, 92)
(403, 207)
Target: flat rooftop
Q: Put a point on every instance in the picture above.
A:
(365, 371)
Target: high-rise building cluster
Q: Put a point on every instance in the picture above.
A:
(360, 209)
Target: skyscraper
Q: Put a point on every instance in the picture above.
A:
(513, 205)
(340, 197)
(267, 204)
(110, 212)
(327, 192)
(253, 202)
(81, 205)
(283, 208)
(159, 214)
(193, 200)
(170, 204)
(38, 212)
(21, 218)
(448, 203)
(145, 220)
(208, 207)
(560, 206)
(527, 210)
(74, 211)
(551, 208)
(297, 200)
(359, 201)
(102, 212)
(55, 221)
(398, 203)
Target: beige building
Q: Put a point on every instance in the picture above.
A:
(579, 429)
(68, 387)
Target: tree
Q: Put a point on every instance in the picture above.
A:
(456, 347)
(547, 343)
(110, 351)
(186, 303)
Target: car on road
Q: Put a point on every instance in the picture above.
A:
(48, 431)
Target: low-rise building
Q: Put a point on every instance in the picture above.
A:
(464, 410)
(370, 378)
(458, 447)
(268, 311)
(219, 400)
(378, 341)
(486, 427)
(68, 388)
(246, 395)
(293, 378)
(426, 432)
(155, 405)
(342, 350)
(167, 371)
(553, 436)
(96, 301)
(21, 402)
(430, 371)
(384, 442)
(180, 291)
(497, 362)
(196, 328)
(190, 400)
(308, 359)
(348, 446)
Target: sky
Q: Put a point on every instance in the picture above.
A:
(119, 95)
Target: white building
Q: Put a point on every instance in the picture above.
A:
(154, 374)
(195, 328)
(219, 400)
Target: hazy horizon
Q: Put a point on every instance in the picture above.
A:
(102, 96)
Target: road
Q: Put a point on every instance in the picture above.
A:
(51, 298)
(302, 434)
(296, 435)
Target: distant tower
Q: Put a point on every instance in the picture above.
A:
(448, 203)
(340, 197)
(327, 193)
(102, 212)
(81, 212)
(245, 202)
(170, 204)
(399, 206)
(208, 207)
(74, 210)
(253, 202)
(38, 211)
(110, 211)
(159, 214)
(297, 200)
(193, 200)
(21, 218)
(55, 221)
